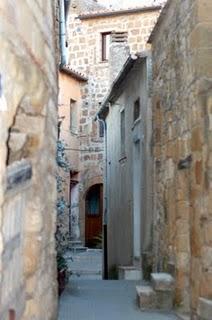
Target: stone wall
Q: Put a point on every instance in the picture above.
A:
(182, 83)
(85, 55)
(28, 132)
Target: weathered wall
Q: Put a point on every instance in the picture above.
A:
(125, 170)
(182, 83)
(28, 130)
(85, 55)
(69, 89)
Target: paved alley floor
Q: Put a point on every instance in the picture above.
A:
(87, 297)
(103, 300)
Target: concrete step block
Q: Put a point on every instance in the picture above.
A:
(129, 273)
(204, 309)
(162, 282)
(164, 300)
(146, 297)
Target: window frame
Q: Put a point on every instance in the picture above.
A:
(73, 108)
(104, 55)
(137, 109)
(122, 132)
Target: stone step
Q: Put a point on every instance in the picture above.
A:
(79, 248)
(75, 243)
(163, 285)
(129, 273)
(159, 294)
(162, 281)
(146, 297)
(204, 309)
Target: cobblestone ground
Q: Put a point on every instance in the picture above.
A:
(87, 297)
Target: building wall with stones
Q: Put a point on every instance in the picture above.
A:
(28, 133)
(85, 54)
(182, 113)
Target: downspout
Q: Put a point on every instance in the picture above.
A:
(105, 211)
(62, 33)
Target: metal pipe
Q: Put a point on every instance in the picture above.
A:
(62, 33)
(105, 211)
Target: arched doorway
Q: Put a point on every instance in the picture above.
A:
(93, 215)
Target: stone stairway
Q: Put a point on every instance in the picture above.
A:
(158, 295)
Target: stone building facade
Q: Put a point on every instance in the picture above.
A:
(28, 133)
(182, 115)
(88, 49)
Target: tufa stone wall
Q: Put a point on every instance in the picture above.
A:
(85, 53)
(28, 132)
(182, 113)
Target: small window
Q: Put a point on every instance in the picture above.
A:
(136, 109)
(122, 133)
(101, 129)
(73, 116)
(105, 45)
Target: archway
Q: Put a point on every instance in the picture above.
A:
(93, 215)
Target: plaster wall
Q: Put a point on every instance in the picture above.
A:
(122, 170)
(69, 92)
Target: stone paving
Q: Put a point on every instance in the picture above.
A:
(85, 299)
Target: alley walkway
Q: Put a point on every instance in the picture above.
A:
(86, 299)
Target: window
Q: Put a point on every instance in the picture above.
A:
(122, 133)
(73, 116)
(105, 45)
(136, 109)
(101, 129)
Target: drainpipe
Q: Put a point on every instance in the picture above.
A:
(62, 33)
(105, 211)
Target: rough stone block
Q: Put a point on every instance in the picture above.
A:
(162, 281)
(146, 297)
(164, 300)
(205, 309)
(129, 273)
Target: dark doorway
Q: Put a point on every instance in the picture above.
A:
(93, 216)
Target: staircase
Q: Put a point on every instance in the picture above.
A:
(158, 295)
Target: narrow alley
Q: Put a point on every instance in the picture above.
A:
(86, 297)
(106, 160)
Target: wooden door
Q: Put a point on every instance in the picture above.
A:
(93, 215)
